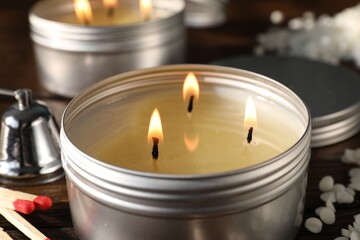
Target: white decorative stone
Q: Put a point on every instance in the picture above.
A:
(327, 216)
(330, 205)
(344, 197)
(317, 210)
(326, 184)
(314, 225)
(277, 17)
(354, 236)
(326, 38)
(328, 196)
(345, 232)
(341, 238)
(355, 185)
(338, 187)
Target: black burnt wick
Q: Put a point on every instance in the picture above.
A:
(249, 136)
(191, 102)
(110, 12)
(155, 149)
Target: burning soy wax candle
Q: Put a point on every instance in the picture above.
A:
(213, 172)
(87, 41)
(218, 136)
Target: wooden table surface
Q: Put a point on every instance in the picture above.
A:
(247, 18)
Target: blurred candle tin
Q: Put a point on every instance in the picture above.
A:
(205, 13)
(71, 56)
(261, 201)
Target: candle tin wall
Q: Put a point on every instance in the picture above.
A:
(263, 201)
(71, 57)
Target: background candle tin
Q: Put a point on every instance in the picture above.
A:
(263, 201)
(71, 57)
(205, 13)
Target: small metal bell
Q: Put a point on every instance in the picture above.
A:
(29, 143)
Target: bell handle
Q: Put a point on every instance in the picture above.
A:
(23, 96)
(7, 92)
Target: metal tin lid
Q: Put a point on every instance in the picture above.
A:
(331, 92)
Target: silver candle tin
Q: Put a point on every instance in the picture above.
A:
(71, 57)
(205, 13)
(261, 202)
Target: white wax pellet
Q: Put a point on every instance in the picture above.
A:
(328, 196)
(356, 226)
(345, 232)
(349, 155)
(357, 154)
(354, 236)
(350, 191)
(351, 228)
(344, 159)
(355, 186)
(326, 184)
(357, 218)
(304, 38)
(338, 187)
(330, 205)
(317, 210)
(341, 238)
(355, 178)
(276, 17)
(314, 225)
(344, 197)
(327, 216)
(295, 24)
(309, 14)
(308, 23)
(354, 172)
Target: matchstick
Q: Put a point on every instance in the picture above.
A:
(20, 205)
(20, 223)
(41, 202)
(4, 235)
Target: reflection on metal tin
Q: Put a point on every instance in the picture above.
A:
(72, 56)
(114, 202)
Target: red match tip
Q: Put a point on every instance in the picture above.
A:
(42, 202)
(24, 206)
(47, 239)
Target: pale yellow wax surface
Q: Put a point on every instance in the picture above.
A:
(121, 16)
(218, 124)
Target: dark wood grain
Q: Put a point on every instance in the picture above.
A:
(247, 18)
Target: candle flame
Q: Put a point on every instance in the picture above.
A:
(190, 87)
(250, 114)
(146, 8)
(110, 4)
(155, 128)
(83, 11)
(191, 143)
